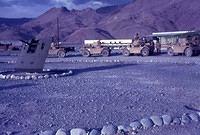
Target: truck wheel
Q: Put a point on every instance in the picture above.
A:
(61, 54)
(105, 52)
(126, 52)
(188, 52)
(170, 52)
(86, 53)
(145, 51)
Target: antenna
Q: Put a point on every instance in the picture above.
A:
(58, 31)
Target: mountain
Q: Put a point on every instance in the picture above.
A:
(143, 16)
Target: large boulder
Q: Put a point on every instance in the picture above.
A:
(136, 125)
(95, 132)
(78, 131)
(158, 121)
(109, 130)
(167, 119)
(61, 132)
(146, 123)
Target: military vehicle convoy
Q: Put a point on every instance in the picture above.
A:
(182, 42)
(126, 46)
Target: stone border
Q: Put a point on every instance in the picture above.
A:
(33, 76)
(133, 128)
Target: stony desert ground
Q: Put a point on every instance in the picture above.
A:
(115, 89)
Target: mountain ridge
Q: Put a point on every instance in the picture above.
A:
(139, 16)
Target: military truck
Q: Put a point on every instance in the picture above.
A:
(94, 47)
(181, 42)
(142, 47)
(60, 50)
(126, 46)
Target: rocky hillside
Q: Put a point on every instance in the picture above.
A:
(143, 16)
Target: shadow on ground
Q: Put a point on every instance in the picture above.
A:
(100, 68)
(9, 87)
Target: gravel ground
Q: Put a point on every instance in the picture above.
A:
(102, 92)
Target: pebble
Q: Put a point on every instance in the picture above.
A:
(136, 125)
(95, 132)
(146, 123)
(167, 119)
(157, 120)
(78, 131)
(109, 130)
(61, 132)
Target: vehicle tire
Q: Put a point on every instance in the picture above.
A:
(188, 52)
(145, 51)
(61, 54)
(126, 52)
(170, 52)
(105, 52)
(86, 53)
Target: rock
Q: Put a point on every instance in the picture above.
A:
(12, 77)
(176, 121)
(27, 77)
(124, 128)
(78, 131)
(157, 120)
(136, 125)
(34, 77)
(8, 76)
(167, 119)
(56, 75)
(46, 76)
(146, 123)
(63, 74)
(70, 72)
(194, 116)
(48, 132)
(22, 77)
(185, 119)
(95, 132)
(2, 76)
(40, 77)
(61, 132)
(109, 130)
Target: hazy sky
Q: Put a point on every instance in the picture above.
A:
(33, 8)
